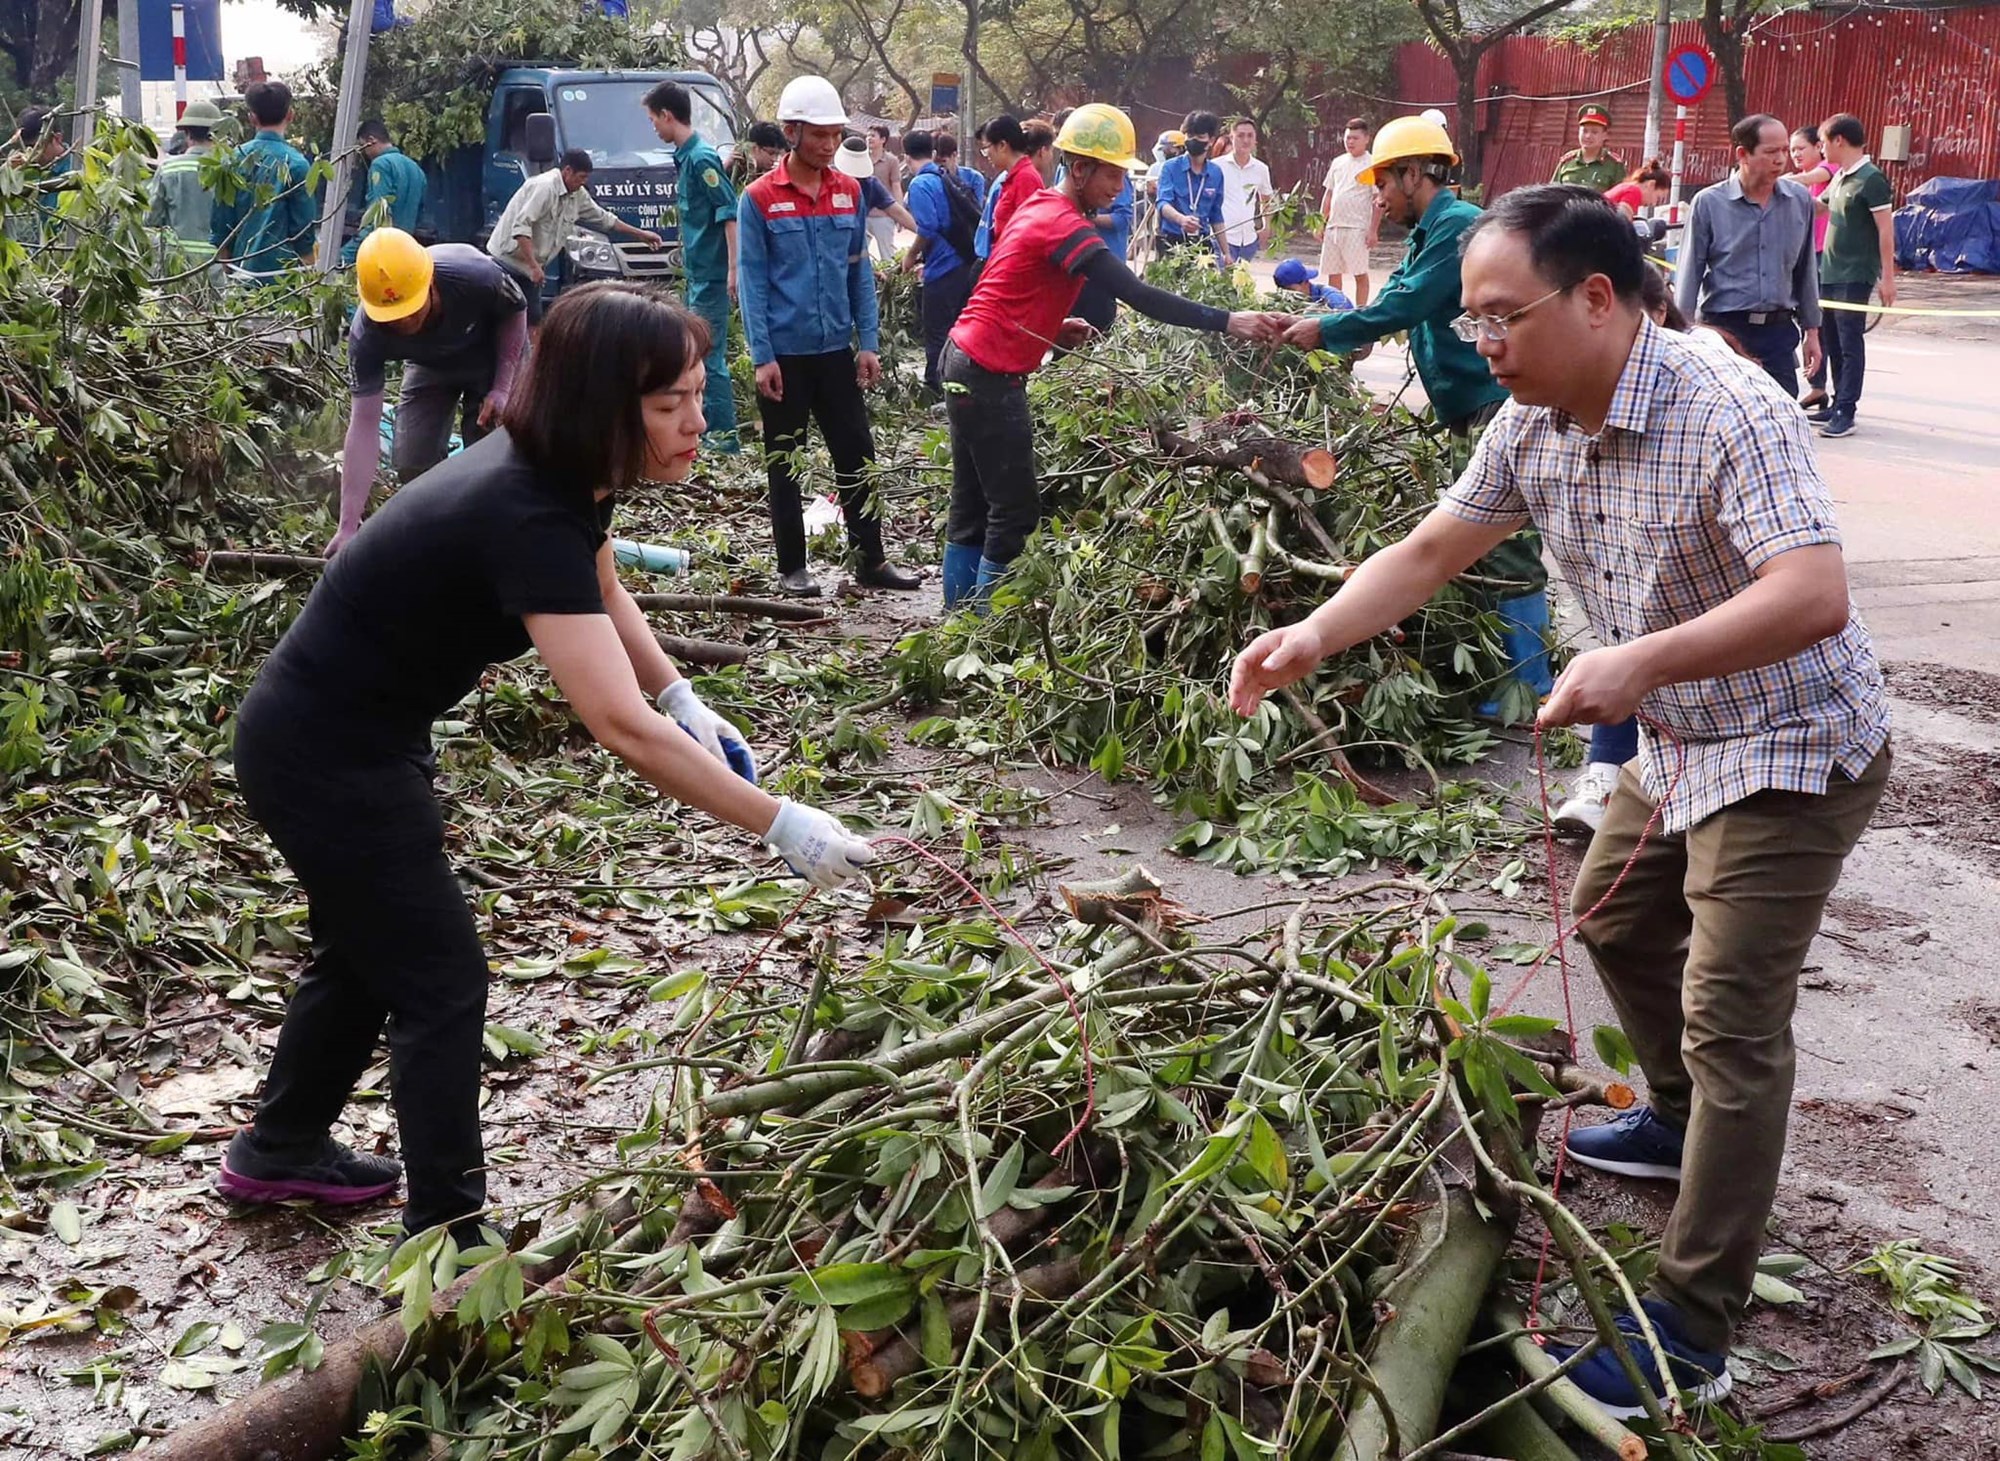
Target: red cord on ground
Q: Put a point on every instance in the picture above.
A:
(1559, 947)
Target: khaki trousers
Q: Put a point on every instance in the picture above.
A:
(1700, 950)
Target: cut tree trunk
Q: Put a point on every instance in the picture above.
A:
(1255, 453)
(1564, 1395)
(1433, 1304)
(306, 1416)
(703, 651)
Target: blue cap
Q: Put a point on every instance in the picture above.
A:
(1292, 273)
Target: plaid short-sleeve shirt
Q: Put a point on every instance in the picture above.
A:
(1702, 474)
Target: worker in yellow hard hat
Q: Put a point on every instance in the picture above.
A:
(459, 322)
(1021, 309)
(1412, 161)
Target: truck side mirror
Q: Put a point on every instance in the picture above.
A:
(541, 136)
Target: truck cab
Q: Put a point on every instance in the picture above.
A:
(538, 113)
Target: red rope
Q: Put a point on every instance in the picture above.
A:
(1559, 948)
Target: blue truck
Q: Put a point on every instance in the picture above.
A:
(537, 113)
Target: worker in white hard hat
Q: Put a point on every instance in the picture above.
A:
(807, 294)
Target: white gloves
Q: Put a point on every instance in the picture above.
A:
(717, 736)
(816, 846)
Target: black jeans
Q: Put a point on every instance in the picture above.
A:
(995, 502)
(944, 297)
(1774, 345)
(425, 407)
(1844, 337)
(393, 946)
(820, 388)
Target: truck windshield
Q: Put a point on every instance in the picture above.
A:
(608, 119)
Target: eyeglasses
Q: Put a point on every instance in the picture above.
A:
(1469, 327)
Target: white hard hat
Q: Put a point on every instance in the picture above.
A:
(1432, 114)
(853, 159)
(812, 100)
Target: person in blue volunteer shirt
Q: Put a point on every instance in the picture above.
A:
(271, 222)
(944, 245)
(1191, 190)
(807, 293)
(1296, 276)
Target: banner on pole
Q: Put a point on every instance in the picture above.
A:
(204, 40)
(944, 94)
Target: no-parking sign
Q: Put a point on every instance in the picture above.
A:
(1690, 73)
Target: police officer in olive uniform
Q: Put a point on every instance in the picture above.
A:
(1592, 165)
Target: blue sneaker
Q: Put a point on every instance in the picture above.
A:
(1637, 1144)
(1840, 423)
(1701, 1375)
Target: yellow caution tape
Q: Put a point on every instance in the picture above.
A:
(1900, 309)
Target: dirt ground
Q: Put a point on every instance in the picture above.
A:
(1898, 1047)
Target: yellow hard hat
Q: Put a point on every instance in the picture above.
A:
(1403, 139)
(1102, 132)
(393, 273)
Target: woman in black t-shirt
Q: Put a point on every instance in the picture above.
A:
(497, 550)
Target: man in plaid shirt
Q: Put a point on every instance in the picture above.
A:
(1676, 489)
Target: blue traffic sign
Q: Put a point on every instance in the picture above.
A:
(1690, 73)
(203, 29)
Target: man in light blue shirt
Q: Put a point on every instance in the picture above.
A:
(1191, 191)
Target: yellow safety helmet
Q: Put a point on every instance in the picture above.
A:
(393, 273)
(1101, 132)
(1406, 138)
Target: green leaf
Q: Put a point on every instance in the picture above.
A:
(880, 1312)
(195, 1338)
(1001, 1180)
(1774, 1290)
(66, 1222)
(1214, 1155)
(935, 1335)
(1267, 1154)
(1614, 1049)
(845, 1284)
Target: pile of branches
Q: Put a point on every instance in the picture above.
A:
(1134, 1193)
(1198, 493)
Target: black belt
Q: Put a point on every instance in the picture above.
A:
(1753, 316)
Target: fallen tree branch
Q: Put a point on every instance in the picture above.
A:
(703, 651)
(1323, 742)
(306, 1415)
(1275, 458)
(1873, 1396)
(1455, 1253)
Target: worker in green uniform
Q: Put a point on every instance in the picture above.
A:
(1592, 165)
(181, 202)
(708, 249)
(1410, 164)
(393, 179)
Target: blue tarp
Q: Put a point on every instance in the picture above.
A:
(1951, 225)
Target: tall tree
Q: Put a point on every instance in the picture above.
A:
(1465, 33)
(1724, 24)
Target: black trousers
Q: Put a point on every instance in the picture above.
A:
(943, 298)
(1773, 345)
(1844, 336)
(820, 388)
(425, 408)
(995, 500)
(394, 948)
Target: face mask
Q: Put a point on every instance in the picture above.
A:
(1196, 147)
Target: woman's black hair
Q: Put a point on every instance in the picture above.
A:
(578, 417)
(1809, 132)
(1571, 234)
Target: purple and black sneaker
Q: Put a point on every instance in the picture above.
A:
(336, 1175)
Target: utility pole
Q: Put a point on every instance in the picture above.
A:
(89, 49)
(346, 122)
(968, 110)
(129, 96)
(1656, 90)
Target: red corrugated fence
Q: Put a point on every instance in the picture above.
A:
(1935, 71)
